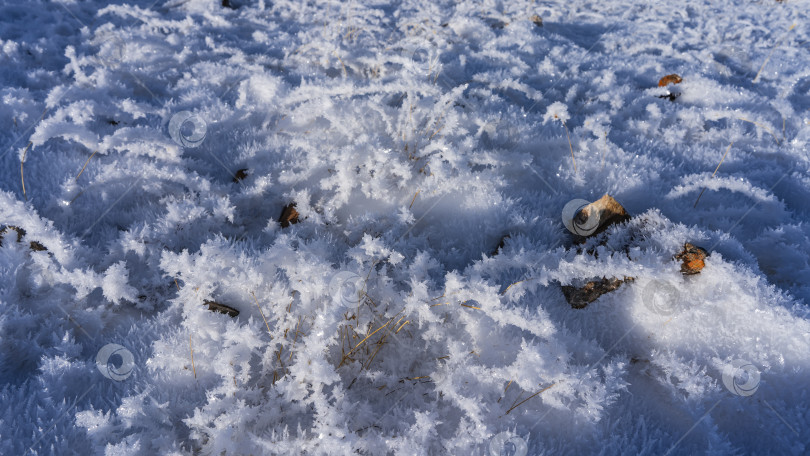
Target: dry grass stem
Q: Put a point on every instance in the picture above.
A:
(403, 325)
(525, 400)
(345, 73)
(262, 314)
(85, 164)
(414, 198)
(367, 337)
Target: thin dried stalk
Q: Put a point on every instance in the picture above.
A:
(262, 313)
(525, 400)
(85, 164)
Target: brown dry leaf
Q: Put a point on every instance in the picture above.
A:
(289, 216)
(579, 298)
(692, 257)
(214, 306)
(669, 79)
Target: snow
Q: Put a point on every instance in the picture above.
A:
(412, 137)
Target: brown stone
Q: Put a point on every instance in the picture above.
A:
(289, 216)
(612, 211)
(692, 258)
(214, 306)
(538, 21)
(669, 79)
(579, 298)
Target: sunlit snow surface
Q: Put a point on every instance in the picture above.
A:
(412, 137)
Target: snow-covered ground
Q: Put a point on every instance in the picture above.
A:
(159, 142)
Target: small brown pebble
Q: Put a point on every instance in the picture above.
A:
(669, 79)
(214, 306)
(579, 298)
(538, 21)
(692, 257)
(241, 174)
(612, 212)
(289, 216)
